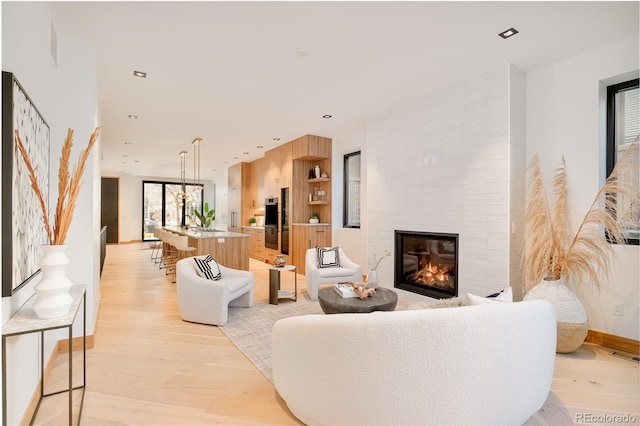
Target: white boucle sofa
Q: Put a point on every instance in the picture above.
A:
(474, 365)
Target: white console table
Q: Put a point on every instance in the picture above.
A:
(25, 321)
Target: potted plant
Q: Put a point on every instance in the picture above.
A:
(252, 221)
(314, 218)
(206, 217)
(553, 255)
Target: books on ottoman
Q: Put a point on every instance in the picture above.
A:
(345, 290)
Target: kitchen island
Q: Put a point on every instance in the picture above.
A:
(230, 249)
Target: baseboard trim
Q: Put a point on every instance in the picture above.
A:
(615, 342)
(63, 345)
(128, 242)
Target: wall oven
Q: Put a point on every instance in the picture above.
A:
(271, 223)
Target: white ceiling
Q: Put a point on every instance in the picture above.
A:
(228, 71)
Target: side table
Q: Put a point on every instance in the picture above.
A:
(275, 294)
(25, 321)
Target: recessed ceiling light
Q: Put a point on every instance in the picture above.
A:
(124, 162)
(235, 158)
(508, 33)
(276, 139)
(140, 74)
(133, 117)
(124, 155)
(128, 143)
(245, 153)
(136, 161)
(259, 146)
(327, 116)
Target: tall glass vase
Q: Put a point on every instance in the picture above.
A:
(52, 292)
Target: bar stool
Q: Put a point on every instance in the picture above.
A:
(167, 250)
(182, 249)
(155, 251)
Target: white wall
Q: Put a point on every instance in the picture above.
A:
(66, 95)
(463, 132)
(352, 240)
(565, 116)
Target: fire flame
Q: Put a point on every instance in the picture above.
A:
(434, 275)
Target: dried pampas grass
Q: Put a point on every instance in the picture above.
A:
(551, 251)
(69, 185)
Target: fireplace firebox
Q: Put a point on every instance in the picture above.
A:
(426, 263)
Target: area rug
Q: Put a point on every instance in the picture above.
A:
(249, 329)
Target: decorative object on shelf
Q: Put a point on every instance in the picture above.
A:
(363, 291)
(279, 261)
(324, 175)
(314, 218)
(310, 196)
(552, 254)
(207, 216)
(52, 292)
(252, 221)
(312, 174)
(53, 289)
(317, 169)
(371, 280)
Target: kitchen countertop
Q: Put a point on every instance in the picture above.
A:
(312, 224)
(254, 227)
(204, 234)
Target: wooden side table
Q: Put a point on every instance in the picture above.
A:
(275, 294)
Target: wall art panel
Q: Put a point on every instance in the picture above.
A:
(23, 230)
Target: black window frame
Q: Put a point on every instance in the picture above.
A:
(611, 132)
(184, 207)
(345, 209)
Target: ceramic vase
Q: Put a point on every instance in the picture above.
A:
(372, 279)
(52, 292)
(570, 314)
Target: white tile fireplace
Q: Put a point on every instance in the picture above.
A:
(453, 162)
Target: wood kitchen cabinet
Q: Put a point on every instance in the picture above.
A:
(306, 236)
(286, 166)
(240, 183)
(256, 242)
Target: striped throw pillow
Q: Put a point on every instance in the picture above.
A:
(208, 268)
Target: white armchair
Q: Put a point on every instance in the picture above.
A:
(206, 301)
(348, 271)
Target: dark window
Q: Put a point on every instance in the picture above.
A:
(623, 127)
(352, 190)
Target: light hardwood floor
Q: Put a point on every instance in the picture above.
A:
(148, 367)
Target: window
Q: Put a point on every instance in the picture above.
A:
(623, 127)
(352, 190)
(162, 205)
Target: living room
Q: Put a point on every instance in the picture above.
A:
(561, 114)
